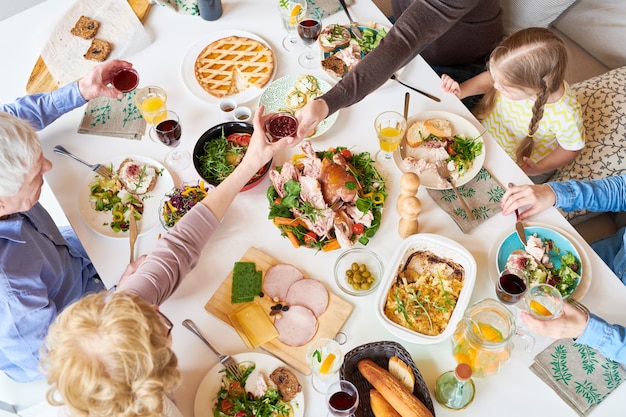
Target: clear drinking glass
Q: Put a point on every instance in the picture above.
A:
(324, 358)
(309, 28)
(290, 13)
(342, 399)
(150, 101)
(168, 131)
(390, 127)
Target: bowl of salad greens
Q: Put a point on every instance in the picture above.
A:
(179, 200)
(220, 149)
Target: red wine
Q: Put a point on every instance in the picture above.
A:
(125, 80)
(510, 288)
(309, 30)
(342, 400)
(282, 125)
(169, 132)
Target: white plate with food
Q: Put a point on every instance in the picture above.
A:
(206, 395)
(434, 314)
(101, 221)
(291, 92)
(244, 95)
(461, 134)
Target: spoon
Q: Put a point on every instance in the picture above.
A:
(354, 28)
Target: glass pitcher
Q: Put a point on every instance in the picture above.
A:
(483, 338)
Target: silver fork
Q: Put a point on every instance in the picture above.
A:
(99, 169)
(577, 304)
(444, 173)
(229, 363)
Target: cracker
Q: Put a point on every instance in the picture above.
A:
(85, 28)
(98, 51)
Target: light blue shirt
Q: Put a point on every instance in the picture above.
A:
(606, 195)
(39, 110)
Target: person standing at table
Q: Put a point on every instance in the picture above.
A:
(109, 354)
(457, 34)
(42, 268)
(528, 107)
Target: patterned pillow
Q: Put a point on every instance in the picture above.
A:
(520, 14)
(603, 101)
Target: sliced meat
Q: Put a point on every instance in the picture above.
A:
(278, 278)
(309, 293)
(311, 192)
(286, 382)
(296, 326)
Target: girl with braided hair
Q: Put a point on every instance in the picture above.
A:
(528, 107)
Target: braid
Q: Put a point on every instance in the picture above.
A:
(525, 148)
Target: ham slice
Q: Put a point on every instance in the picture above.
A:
(296, 326)
(309, 293)
(278, 278)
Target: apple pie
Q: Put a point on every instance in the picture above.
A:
(233, 64)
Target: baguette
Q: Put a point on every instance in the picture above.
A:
(441, 128)
(397, 367)
(396, 394)
(380, 407)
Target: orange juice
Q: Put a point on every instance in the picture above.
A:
(150, 107)
(389, 138)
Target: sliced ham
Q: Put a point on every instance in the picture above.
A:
(278, 278)
(309, 293)
(296, 326)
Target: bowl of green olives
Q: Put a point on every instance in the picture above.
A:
(358, 271)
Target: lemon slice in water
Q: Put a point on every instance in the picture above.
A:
(328, 363)
(539, 309)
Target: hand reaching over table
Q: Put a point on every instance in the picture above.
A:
(96, 82)
(311, 115)
(539, 197)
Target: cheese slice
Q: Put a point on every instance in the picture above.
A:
(254, 326)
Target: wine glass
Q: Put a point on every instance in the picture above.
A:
(324, 358)
(309, 28)
(342, 399)
(168, 131)
(390, 127)
(291, 12)
(511, 286)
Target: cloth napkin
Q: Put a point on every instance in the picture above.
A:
(323, 7)
(112, 117)
(580, 375)
(482, 194)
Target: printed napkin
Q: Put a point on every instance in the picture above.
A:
(482, 194)
(112, 117)
(323, 7)
(580, 375)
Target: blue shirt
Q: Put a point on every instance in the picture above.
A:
(607, 195)
(39, 110)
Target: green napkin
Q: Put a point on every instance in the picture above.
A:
(580, 375)
(482, 194)
(112, 117)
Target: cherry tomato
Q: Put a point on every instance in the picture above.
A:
(226, 406)
(310, 238)
(240, 414)
(235, 388)
(358, 228)
(346, 153)
(451, 151)
(241, 139)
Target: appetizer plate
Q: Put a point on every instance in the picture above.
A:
(509, 242)
(274, 98)
(445, 248)
(430, 179)
(265, 364)
(167, 196)
(380, 353)
(96, 219)
(189, 61)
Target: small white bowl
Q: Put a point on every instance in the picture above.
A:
(360, 256)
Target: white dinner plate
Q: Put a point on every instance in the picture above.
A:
(460, 126)
(96, 219)
(189, 61)
(211, 383)
(274, 99)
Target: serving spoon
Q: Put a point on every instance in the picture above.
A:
(354, 28)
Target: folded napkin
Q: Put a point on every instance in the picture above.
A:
(482, 194)
(580, 375)
(323, 7)
(112, 117)
(189, 7)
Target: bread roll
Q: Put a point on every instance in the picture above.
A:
(439, 127)
(396, 394)
(416, 134)
(333, 36)
(380, 407)
(402, 372)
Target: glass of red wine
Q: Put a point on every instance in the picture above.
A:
(167, 130)
(511, 286)
(342, 399)
(309, 28)
(125, 79)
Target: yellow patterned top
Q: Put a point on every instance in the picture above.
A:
(561, 124)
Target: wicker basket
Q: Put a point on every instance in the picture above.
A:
(380, 352)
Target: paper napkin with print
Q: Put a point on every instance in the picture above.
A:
(189, 7)
(112, 117)
(580, 375)
(482, 194)
(325, 8)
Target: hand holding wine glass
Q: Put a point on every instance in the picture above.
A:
(309, 28)
(168, 131)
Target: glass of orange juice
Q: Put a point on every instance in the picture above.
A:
(390, 127)
(151, 101)
(324, 358)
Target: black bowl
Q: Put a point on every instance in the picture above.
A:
(216, 132)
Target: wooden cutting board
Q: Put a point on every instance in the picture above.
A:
(41, 80)
(329, 323)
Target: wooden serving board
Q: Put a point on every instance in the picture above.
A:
(329, 323)
(41, 81)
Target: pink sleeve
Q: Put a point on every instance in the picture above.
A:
(176, 254)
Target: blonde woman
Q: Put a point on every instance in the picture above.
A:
(528, 107)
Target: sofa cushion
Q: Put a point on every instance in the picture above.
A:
(603, 101)
(520, 14)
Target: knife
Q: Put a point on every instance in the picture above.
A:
(519, 226)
